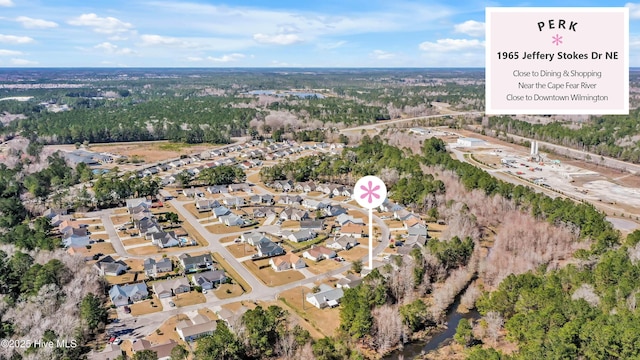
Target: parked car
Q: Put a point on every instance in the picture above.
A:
(117, 341)
(112, 339)
(127, 310)
(172, 304)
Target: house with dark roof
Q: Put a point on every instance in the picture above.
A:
(254, 238)
(209, 279)
(315, 225)
(110, 267)
(334, 210)
(302, 235)
(164, 239)
(268, 248)
(220, 211)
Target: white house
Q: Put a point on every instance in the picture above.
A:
(327, 296)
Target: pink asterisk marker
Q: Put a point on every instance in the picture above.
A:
(557, 39)
(370, 192)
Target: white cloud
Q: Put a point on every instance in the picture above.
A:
(103, 25)
(446, 45)
(382, 55)
(4, 52)
(6, 3)
(227, 58)
(31, 23)
(12, 39)
(194, 58)
(152, 40)
(634, 10)
(23, 62)
(110, 48)
(470, 27)
(278, 39)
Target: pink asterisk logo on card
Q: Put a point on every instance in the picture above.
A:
(557, 39)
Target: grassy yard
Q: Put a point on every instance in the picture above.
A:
(135, 264)
(121, 211)
(227, 239)
(104, 248)
(322, 266)
(90, 221)
(126, 278)
(190, 298)
(167, 331)
(128, 233)
(147, 250)
(135, 241)
(231, 272)
(326, 321)
(241, 250)
(272, 278)
(224, 229)
(208, 313)
(145, 307)
(355, 253)
(194, 211)
(290, 224)
(120, 219)
(221, 292)
(99, 236)
(193, 233)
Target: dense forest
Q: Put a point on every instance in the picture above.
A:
(616, 136)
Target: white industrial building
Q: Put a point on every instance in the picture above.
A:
(470, 142)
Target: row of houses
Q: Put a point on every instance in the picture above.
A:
(308, 186)
(122, 295)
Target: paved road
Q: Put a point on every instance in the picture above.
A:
(145, 324)
(394, 122)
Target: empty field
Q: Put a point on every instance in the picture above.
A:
(190, 298)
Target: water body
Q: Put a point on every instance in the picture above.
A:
(440, 337)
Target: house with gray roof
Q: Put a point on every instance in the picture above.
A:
(204, 205)
(302, 235)
(192, 329)
(153, 267)
(121, 295)
(220, 211)
(268, 248)
(254, 238)
(171, 287)
(326, 297)
(195, 263)
(209, 279)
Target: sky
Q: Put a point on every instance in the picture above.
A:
(244, 33)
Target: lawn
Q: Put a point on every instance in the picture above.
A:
(190, 298)
(227, 239)
(224, 229)
(95, 228)
(167, 331)
(104, 248)
(325, 320)
(194, 234)
(128, 233)
(90, 221)
(135, 264)
(394, 224)
(208, 313)
(241, 250)
(120, 219)
(290, 224)
(147, 250)
(127, 278)
(231, 272)
(272, 278)
(145, 307)
(99, 236)
(199, 215)
(135, 241)
(322, 266)
(221, 291)
(354, 253)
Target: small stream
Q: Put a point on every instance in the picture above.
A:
(440, 336)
